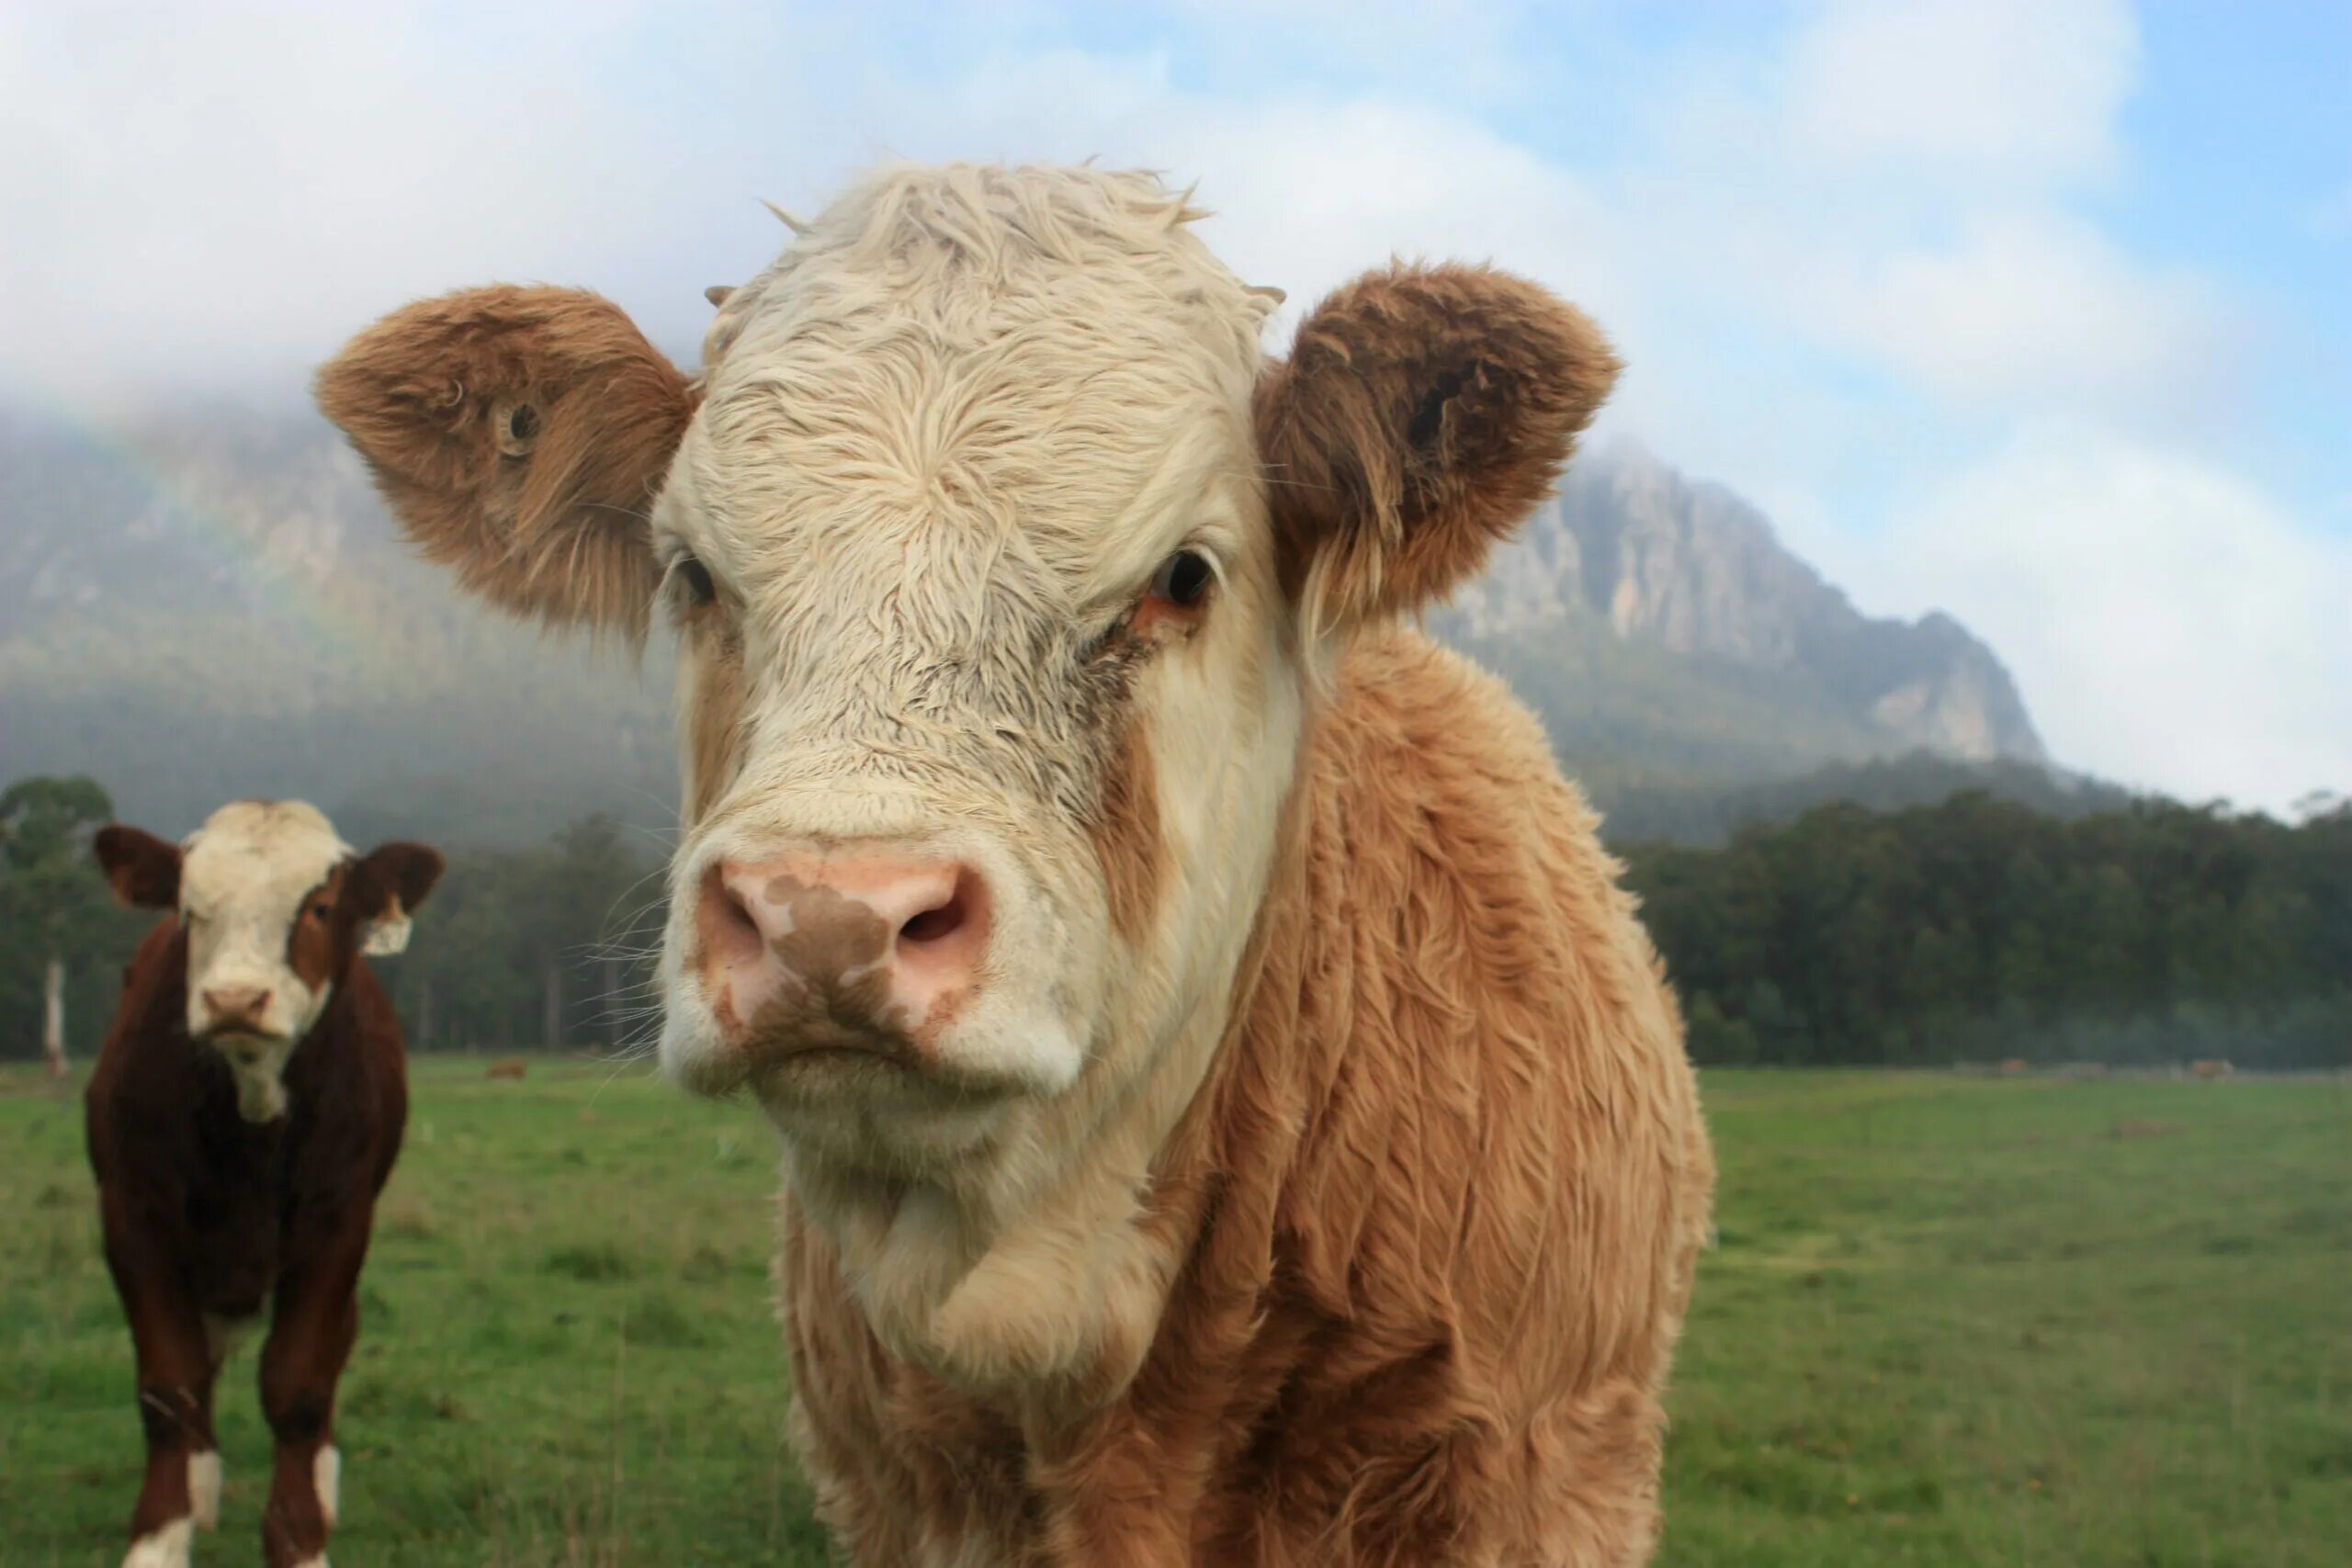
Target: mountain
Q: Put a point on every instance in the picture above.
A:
(209, 602)
(213, 604)
(1691, 570)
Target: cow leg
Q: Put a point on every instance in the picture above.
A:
(311, 1331)
(182, 1490)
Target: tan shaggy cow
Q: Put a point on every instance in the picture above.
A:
(1229, 1113)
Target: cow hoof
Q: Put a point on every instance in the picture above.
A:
(204, 1489)
(165, 1548)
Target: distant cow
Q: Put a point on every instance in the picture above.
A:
(2208, 1068)
(244, 1113)
(1231, 1114)
(507, 1070)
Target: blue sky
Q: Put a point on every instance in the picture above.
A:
(2040, 313)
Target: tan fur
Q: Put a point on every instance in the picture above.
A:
(1437, 1210)
(550, 523)
(1126, 836)
(1310, 1174)
(710, 716)
(1423, 412)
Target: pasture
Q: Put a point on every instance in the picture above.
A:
(1951, 1321)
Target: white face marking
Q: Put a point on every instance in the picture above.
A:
(204, 1489)
(165, 1548)
(245, 878)
(956, 430)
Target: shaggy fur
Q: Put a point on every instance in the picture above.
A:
(1313, 1174)
(1432, 1217)
(519, 435)
(1423, 412)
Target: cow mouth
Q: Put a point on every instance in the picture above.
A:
(837, 1048)
(244, 1047)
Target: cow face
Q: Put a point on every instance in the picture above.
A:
(276, 908)
(1005, 575)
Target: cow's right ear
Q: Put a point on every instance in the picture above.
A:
(143, 871)
(519, 436)
(385, 888)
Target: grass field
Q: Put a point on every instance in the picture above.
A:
(1949, 1322)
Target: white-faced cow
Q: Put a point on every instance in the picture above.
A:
(242, 1116)
(1230, 1115)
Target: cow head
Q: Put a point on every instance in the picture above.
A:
(1005, 575)
(277, 908)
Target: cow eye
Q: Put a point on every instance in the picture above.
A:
(320, 909)
(700, 589)
(1182, 579)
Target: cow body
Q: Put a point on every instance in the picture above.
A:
(1229, 1115)
(1431, 1224)
(224, 1202)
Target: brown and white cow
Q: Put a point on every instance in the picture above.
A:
(244, 1114)
(1229, 1112)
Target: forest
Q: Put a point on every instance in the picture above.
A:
(1973, 929)
(1979, 928)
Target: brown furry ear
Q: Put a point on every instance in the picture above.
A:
(400, 876)
(519, 436)
(1423, 415)
(385, 888)
(143, 871)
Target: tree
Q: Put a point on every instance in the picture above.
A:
(49, 893)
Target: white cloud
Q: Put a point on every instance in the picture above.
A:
(2034, 309)
(2170, 624)
(1884, 189)
(1992, 92)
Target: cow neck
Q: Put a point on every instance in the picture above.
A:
(1049, 1316)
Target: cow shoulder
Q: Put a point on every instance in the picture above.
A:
(1508, 1054)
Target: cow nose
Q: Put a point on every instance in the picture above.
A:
(870, 938)
(235, 1007)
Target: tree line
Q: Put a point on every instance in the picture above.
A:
(1980, 929)
(548, 945)
(1972, 929)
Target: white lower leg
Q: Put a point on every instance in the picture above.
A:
(204, 1488)
(326, 1480)
(165, 1548)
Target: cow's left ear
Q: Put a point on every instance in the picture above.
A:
(519, 436)
(385, 888)
(143, 870)
(1423, 415)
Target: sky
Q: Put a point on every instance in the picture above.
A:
(2037, 312)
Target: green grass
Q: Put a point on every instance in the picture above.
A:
(1949, 1322)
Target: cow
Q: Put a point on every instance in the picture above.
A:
(244, 1114)
(1229, 1112)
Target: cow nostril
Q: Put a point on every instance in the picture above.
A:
(955, 924)
(726, 920)
(936, 924)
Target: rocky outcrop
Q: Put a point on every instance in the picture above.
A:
(1691, 569)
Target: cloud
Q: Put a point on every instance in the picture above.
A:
(2171, 624)
(199, 195)
(1986, 92)
(1848, 258)
(2033, 309)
